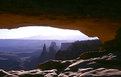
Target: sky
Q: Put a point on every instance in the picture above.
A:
(43, 33)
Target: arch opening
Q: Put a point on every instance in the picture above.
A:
(29, 46)
(43, 33)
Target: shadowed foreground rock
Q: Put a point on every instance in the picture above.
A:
(105, 66)
(115, 44)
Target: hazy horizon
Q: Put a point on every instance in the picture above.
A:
(43, 33)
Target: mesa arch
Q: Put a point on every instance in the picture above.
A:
(101, 27)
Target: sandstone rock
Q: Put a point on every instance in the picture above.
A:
(92, 62)
(102, 72)
(6, 74)
(51, 75)
(33, 73)
(54, 64)
(105, 66)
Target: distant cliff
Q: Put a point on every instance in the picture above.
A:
(75, 49)
(65, 46)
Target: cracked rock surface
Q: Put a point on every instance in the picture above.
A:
(93, 67)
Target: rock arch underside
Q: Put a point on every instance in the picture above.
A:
(100, 18)
(94, 18)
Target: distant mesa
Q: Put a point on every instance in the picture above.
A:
(73, 50)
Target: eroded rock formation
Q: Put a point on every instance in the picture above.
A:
(102, 19)
(94, 18)
(101, 27)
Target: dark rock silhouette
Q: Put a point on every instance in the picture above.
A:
(115, 44)
(44, 54)
(54, 64)
(44, 51)
(48, 55)
(77, 48)
(52, 51)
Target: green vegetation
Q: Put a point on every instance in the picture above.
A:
(85, 8)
